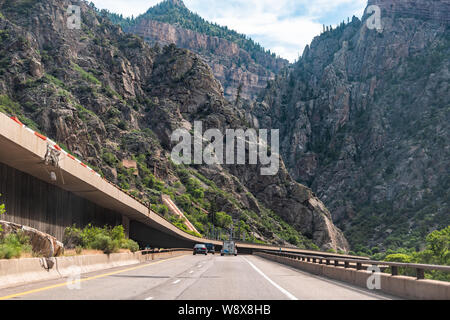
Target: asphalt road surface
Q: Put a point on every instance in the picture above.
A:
(199, 277)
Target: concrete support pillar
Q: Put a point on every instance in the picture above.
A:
(126, 225)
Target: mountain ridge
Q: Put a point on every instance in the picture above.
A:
(241, 65)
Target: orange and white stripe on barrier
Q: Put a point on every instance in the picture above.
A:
(16, 120)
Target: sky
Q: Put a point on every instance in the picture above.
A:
(283, 26)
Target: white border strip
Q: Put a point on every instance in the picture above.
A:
(284, 291)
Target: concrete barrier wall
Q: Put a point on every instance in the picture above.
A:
(16, 272)
(400, 286)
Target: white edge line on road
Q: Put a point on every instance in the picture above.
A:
(284, 291)
(175, 282)
(149, 298)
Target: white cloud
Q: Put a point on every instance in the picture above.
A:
(283, 26)
(286, 37)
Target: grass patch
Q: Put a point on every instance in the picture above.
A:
(54, 80)
(84, 113)
(86, 75)
(110, 92)
(12, 108)
(14, 245)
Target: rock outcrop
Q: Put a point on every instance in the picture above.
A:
(42, 244)
(438, 11)
(239, 70)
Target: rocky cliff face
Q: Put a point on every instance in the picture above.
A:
(364, 117)
(107, 96)
(231, 65)
(236, 68)
(437, 10)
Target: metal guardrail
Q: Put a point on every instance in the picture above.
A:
(361, 264)
(293, 249)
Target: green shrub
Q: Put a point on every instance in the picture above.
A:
(160, 209)
(107, 239)
(13, 245)
(193, 233)
(9, 106)
(117, 233)
(2, 208)
(89, 234)
(398, 257)
(198, 194)
(86, 75)
(192, 184)
(130, 245)
(402, 258)
(110, 159)
(72, 237)
(223, 220)
(105, 243)
(124, 185)
(439, 243)
(294, 240)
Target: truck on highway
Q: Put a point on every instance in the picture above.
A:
(228, 248)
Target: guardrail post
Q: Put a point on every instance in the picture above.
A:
(320, 261)
(328, 262)
(309, 259)
(420, 274)
(347, 265)
(336, 263)
(394, 271)
(314, 260)
(358, 266)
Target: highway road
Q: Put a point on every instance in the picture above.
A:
(189, 277)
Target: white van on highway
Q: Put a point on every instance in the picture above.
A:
(228, 248)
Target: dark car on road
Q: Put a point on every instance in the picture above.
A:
(210, 248)
(200, 249)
